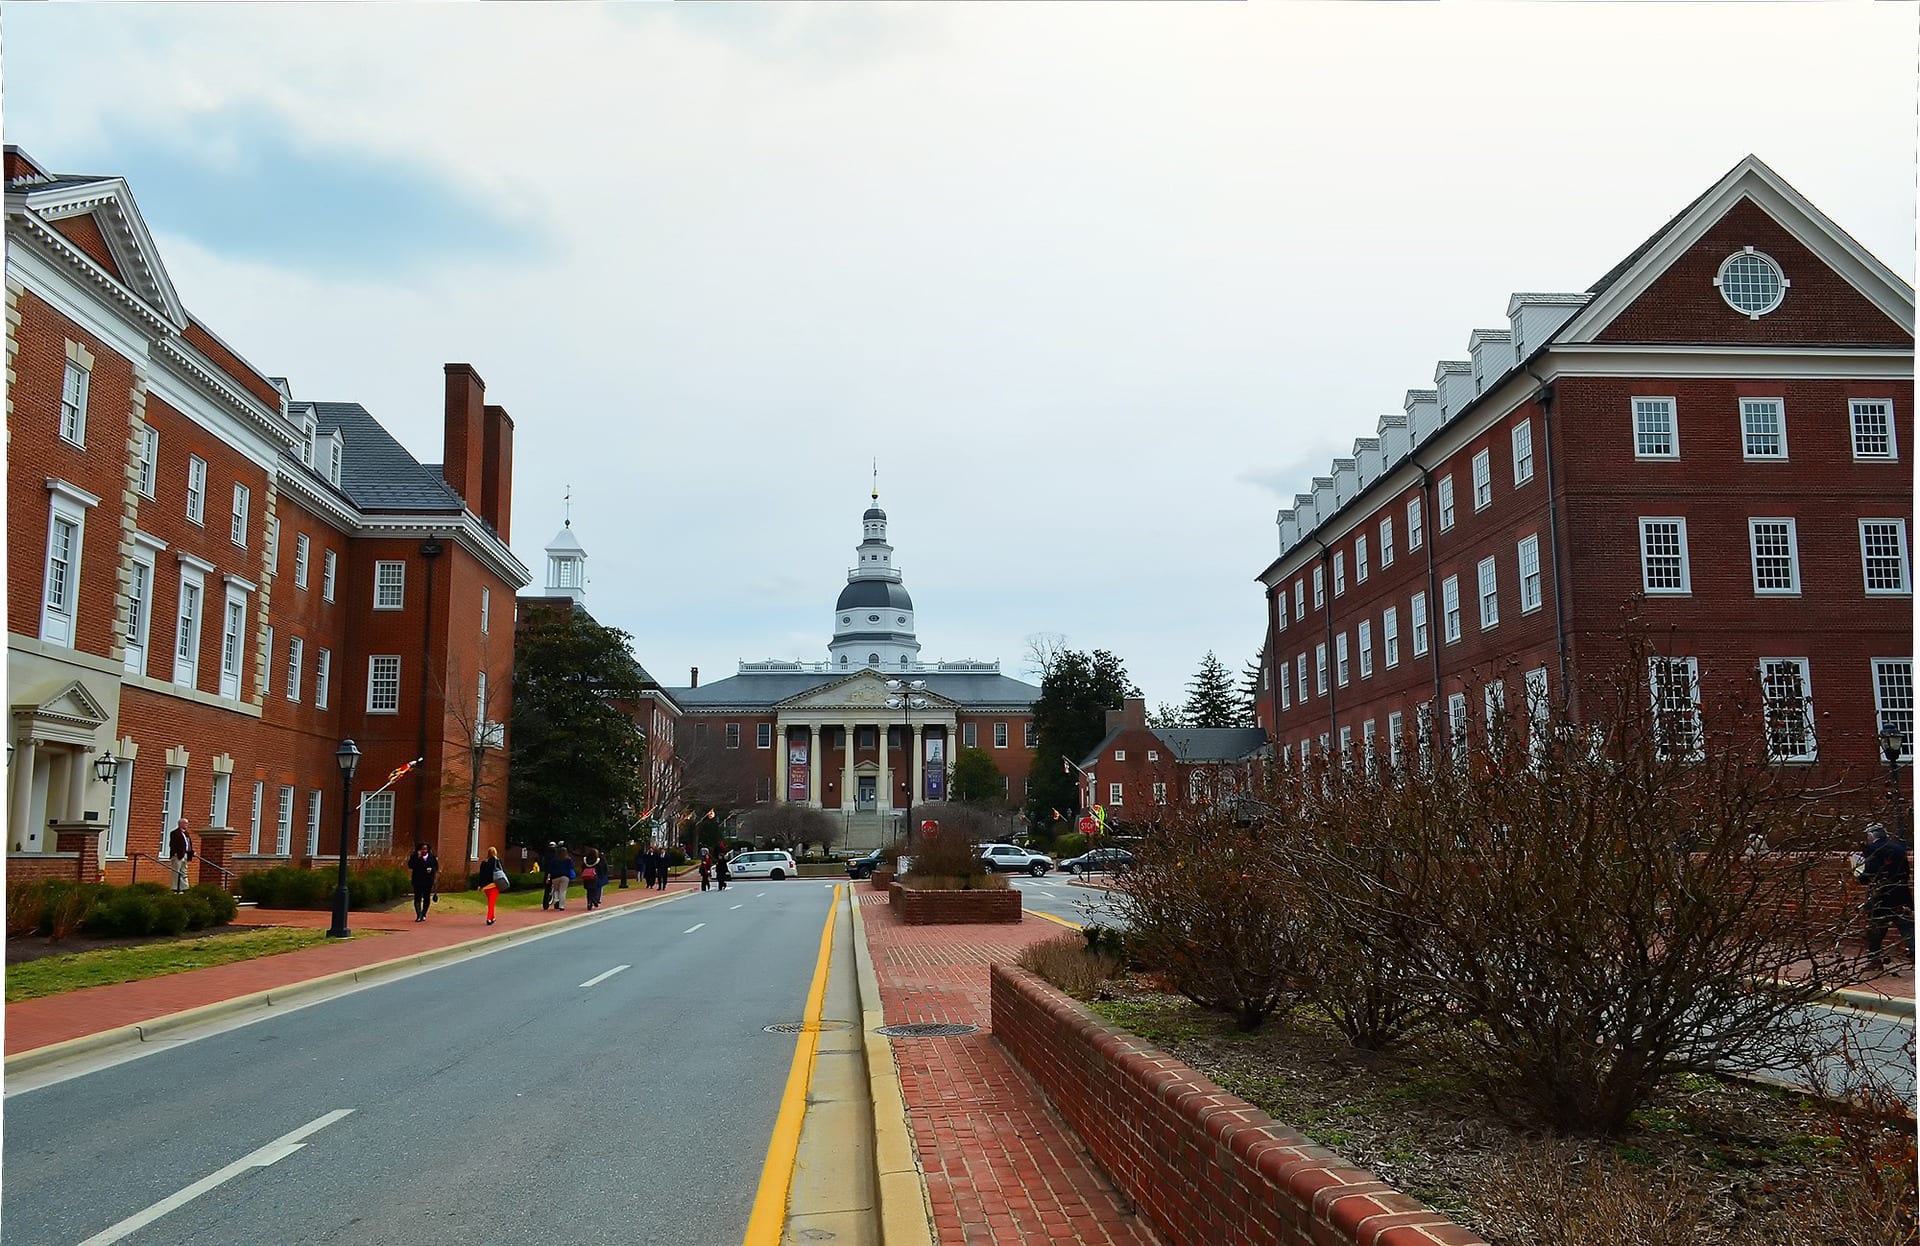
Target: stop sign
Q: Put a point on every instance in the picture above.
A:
(930, 828)
(1087, 825)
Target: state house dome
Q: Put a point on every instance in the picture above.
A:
(873, 618)
(863, 594)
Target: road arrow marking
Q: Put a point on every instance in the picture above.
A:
(598, 979)
(264, 1157)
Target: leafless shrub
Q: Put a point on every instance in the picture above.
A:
(1554, 1194)
(23, 908)
(1873, 1202)
(953, 857)
(956, 821)
(792, 826)
(1069, 964)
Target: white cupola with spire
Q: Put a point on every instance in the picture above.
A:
(567, 561)
(873, 620)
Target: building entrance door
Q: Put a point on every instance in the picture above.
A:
(868, 795)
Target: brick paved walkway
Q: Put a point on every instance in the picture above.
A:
(1002, 1168)
(32, 1023)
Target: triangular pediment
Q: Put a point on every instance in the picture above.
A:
(862, 690)
(70, 715)
(74, 701)
(99, 219)
(1838, 292)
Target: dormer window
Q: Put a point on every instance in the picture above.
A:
(335, 452)
(307, 432)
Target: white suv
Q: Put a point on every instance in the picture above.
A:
(1013, 859)
(770, 863)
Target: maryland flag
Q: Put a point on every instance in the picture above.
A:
(711, 812)
(401, 772)
(1056, 815)
(646, 813)
(1066, 767)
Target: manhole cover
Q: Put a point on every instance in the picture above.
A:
(927, 1029)
(801, 1027)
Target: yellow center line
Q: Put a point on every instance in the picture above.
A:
(768, 1221)
(1050, 917)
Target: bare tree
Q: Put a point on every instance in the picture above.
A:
(1043, 650)
(474, 762)
(792, 826)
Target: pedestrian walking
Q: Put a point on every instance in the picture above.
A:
(626, 863)
(563, 875)
(493, 880)
(660, 868)
(706, 871)
(548, 860)
(1887, 873)
(720, 871)
(593, 876)
(180, 851)
(425, 868)
(646, 867)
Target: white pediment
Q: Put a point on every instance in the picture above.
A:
(862, 690)
(70, 716)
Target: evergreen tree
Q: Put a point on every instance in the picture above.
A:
(1250, 688)
(1165, 716)
(1212, 699)
(1070, 719)
(577, 755)
(975, 779)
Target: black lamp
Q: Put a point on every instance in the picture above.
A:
(348, 755)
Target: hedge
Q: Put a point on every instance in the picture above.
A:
(57, 908)
(290, 887)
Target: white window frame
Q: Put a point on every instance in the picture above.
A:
(1286, 692)
(1367, 742)
(762, 732)
(1489, 594)
(1416, 524)
(1300, 669)
(308, 429)
(1450, 626)
(283, 823)
(1494, 696)
(1000, 735)
(1360, 559)
(1660, 672)
(379, 824)
(1159, 794)
(730, 734)
(1319, 587)
(1899, 527)
(149, 472)
(1029, 735)
(1443, 494)
(1396, 725)
(1539, 712)
(323, 676)
(969, 735)
(1365, 643)
(60, 579)
(1858, 407)
(1119, 754)
(266, 669)
(1527, 551)
(389, 585)
(1339, 572)
(329, 570)
(1390, 636)
(296, 659)
(196, 490)
(1780, 717)
(1887, 712)
(173, 806)
(1459, 739)
(1652, 407)
(1299, 599)
(237, 530)
(253, 818)
(1114, 792)
(1792, 587)
(1522, 453)
(1386, 540)
(1280, 619)
(375, 663)
(1346, 747)
(1482, 480)
(1750, 407)
(313, 822)
(1686, 571)
(302, 554)
(233, 641)
(1320, 668)
(1343, 667)
(74, 382)
(188, 618)
(486, 610)
(140, 582)
(1417, 615)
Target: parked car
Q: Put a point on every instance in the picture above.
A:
(1099, 861)
(863, 867)
(1013, 859)
(766, 863)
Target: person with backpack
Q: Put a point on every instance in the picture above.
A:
(593, 875)
(1887, 873)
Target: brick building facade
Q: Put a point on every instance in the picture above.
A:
(215, 583)
(1710, 439)
(1138, 772)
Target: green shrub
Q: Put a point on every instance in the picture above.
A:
(1072, 844)
(224, 907)
(675, 858)
(129, 911)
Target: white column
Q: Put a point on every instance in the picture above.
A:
(779, 751)
(914, 767)
(78, 772)
(813, 764)
(846, 775)
(20, 809)
(883, 788)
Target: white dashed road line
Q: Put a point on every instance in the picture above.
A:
(734, 907)
(597, 980)
(692, 928)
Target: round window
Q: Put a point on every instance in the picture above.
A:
(846, 618)
(873, 618)
(901, 619)
(1751, 283)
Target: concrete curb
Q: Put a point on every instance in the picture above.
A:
(906, 1213)
(1873, 1001)
(292, 993)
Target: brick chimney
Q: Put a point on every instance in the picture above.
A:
(1132, 713)
(496, 470)
(696, 677)
(465, 436)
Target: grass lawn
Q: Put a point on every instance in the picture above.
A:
(53, 975)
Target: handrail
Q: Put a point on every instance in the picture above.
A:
(135, 857)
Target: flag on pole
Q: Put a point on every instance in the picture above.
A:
(1100, 816)
(400, 772)
(1066, 767)
(1056, 815)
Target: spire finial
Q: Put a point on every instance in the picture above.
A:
(569, 506)
(876, 479)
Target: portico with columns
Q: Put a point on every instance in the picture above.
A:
(838, 741)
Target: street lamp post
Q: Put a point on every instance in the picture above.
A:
(105, 768)
(1892, 745)
(906, 701)
(348, 755)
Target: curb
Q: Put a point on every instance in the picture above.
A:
(900, 1189)
(291, 993)
(1874, 1002)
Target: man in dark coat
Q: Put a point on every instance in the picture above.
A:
(1888, 876)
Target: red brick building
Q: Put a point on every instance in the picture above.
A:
(215, 582)
(1138, 771)
(1717, 434)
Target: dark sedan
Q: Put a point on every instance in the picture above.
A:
(1099, 861)
(863, 867)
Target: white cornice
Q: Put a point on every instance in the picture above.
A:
(52, 241)
(464, 528)
(191, 365)
(291, 476)
(72, 492)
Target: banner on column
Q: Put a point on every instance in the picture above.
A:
(936, 768)
(796, 770)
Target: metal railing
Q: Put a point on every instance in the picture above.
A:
(167, 862)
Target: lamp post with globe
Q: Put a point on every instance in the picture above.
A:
(906, 699)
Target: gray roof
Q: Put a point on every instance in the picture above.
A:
(376, 472)
(874, 595)
(766, 688)
(1213, 743)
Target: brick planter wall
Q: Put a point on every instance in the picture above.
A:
(953, 908)
(1204, 1167)
(880, 880)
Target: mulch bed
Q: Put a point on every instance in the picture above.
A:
(23, 948)
(1748, 1152)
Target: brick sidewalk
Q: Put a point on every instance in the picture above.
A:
(1001, 1166)
(32, 1023)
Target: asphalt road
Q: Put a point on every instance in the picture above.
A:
(1054, 894)
(500, 1099)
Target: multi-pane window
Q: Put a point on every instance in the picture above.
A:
(1415, 532)
(63, 553)
(1395, 728)
(1360, 559)
(173, 802)
(1763, 428)
(1539, 713)
(1114, 791)
(323, 675)
(1663, 556)
(1483, 480)
(73, 403)
(139, 610)
(1340, 661)
(1319, 587)
(1785, 686)
(1346, 748)
(186, 648)
(1450, 608)
(1386, 541)
(762, 732)
(253, 819)
(1445, 489)
(230, 635)
(1366, 648)
(1883, 555)
(1489, 595)
(383, 684)
(1457, 728)
(196, 489)
(1776, 556)
(1159, 793)
(389, 585)
(283, 823)
(1872, 428)
(302, 550)
(1366, 743)
(1530, 573)
(1522, 453)
(1674, 684)
(1390, 636)
(241, 497)
(1299, 599)
(1893, 700)
(999, 735)
(149, 458)
(1495, 696)
(1280, 609)
(733, 735)
(1418, 615)
(1300, 669)
(486, 610)
(1286, 689)
(1320, 668)
(1031, 734)
(376, 823)
(296, 654)
(313, 822)
(1339, 572)
(1656, 429)
(969, 736)
(329, 567)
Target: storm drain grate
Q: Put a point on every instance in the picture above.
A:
(927, 1029)
(801, 1027)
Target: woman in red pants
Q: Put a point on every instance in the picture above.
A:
(494, 880)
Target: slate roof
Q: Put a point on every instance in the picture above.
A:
(376, 472)
(1192, 744)
(764, 688)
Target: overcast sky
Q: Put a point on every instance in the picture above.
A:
(1101, 287)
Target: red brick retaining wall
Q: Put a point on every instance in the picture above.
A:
(945, 908)
(1206, 1168)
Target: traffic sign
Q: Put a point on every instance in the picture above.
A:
(1087, 825)
(930, 828)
